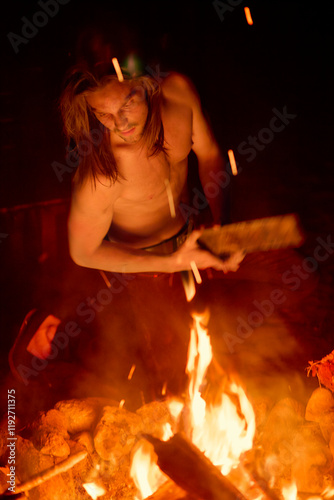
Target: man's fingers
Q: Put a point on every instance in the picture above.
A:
(193, 237)
(232, 263)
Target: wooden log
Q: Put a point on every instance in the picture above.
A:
(170, 491)
(43, 476)
(192, 470)
(251, 484)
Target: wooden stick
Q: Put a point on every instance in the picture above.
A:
(40, 478)
(192, 470)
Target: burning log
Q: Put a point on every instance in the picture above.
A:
(170, 491)
(61, 467)
(191, 470)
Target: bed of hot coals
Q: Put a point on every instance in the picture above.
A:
(293, 448)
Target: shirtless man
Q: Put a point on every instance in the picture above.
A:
(130, 203)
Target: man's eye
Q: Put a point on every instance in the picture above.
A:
(101, 115)
(128, 104)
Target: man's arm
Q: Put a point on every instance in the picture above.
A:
(90, 217)
(211, 164)
(89, 221)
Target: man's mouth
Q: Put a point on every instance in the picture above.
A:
(127, 132)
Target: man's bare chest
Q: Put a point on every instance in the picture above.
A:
(144, 178)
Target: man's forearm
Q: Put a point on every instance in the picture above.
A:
(114, 257)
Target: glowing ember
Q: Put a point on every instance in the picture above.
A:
(117, 69)
(195, 270)
(170, 198)
(133, 367)
(105, 278)
(175, 408)
(94, 490)
(121, 403)
(167, 432)
(232, 162)
(188, 285)
(248, 16)
(290, 492)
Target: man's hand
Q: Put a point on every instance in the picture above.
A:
(191, 251)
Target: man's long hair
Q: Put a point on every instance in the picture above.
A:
(88, 138)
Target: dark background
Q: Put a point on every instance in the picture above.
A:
(242, 72)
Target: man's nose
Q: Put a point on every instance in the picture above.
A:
(121, 121)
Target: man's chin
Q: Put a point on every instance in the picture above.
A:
(131, 139)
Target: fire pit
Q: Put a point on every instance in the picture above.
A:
(210, 443)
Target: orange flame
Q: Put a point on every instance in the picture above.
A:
(290, 492)
(222, 431)
(94, 490)
(144, 471)
(217, 430)
(328, 492)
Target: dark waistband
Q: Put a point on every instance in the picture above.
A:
(172, 244)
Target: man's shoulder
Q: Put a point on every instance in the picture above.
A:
(99, 192)
(178, 87)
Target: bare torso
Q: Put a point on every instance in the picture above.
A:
(141, 210)
(135, 211)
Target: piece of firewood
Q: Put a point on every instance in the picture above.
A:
(192, 470)
(269, 233)
(43, 476)
(169, 491)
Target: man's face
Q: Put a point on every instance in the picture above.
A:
(122, 108)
